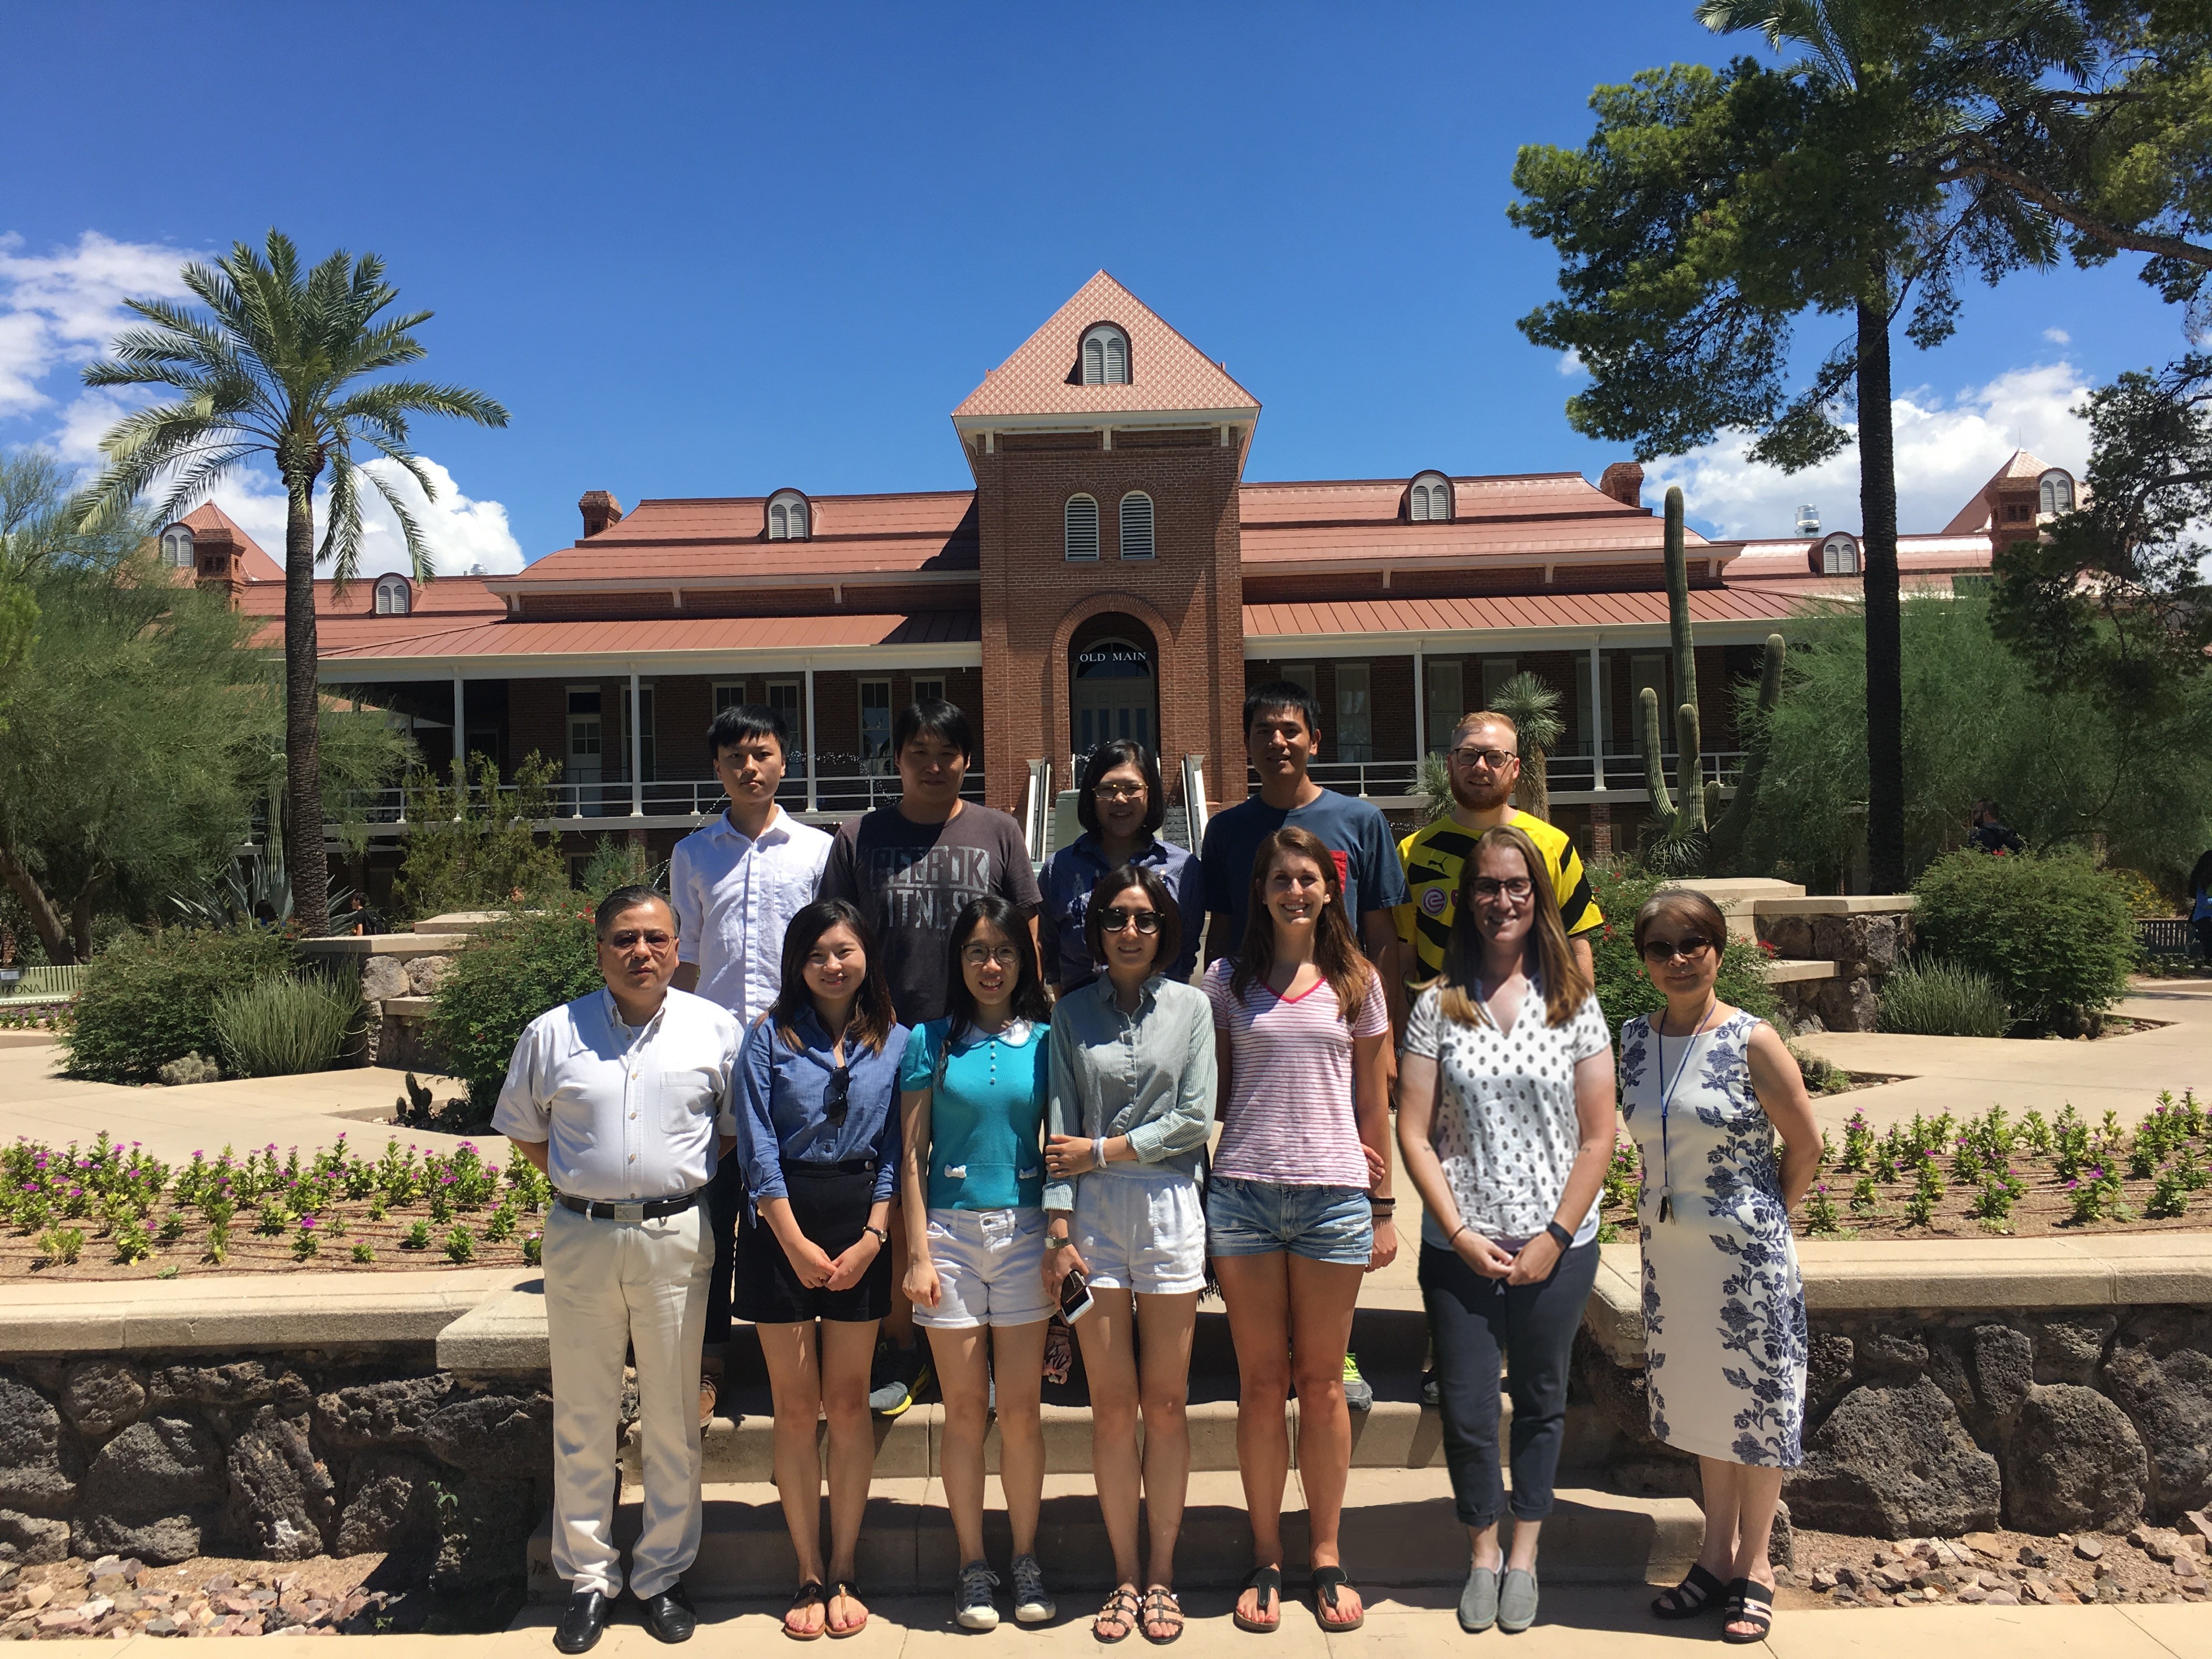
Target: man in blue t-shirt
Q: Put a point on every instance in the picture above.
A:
(1281, 732)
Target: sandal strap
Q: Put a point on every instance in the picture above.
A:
(1122, 1603)
(1161, 1603)
(1268, 1580)
(807, 1593)
(1327, 1581)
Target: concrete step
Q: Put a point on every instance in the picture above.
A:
(1398, 1530)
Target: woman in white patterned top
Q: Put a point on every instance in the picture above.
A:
(1505, 1121)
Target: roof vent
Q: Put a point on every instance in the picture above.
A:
(600, 510)
(1808, 519)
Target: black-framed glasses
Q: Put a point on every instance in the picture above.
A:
(1115, 919)
(1471, 755)
(1516, 888)
(1690, 949)
(835, 1095)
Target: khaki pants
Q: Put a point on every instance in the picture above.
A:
(611, 1285)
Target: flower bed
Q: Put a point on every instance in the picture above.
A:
(109, 1212)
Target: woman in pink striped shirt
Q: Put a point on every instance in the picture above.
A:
(1298, 1209)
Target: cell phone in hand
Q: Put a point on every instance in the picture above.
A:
(1074, 1296)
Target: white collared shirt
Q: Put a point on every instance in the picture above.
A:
(627, 1113)
(735, 896)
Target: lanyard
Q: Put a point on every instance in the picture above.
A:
(1666, 1100)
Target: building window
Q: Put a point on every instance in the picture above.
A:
(876, 724)
(728, 693)
(1082, 527)
(1445, 703)
(392, 598)
(1301, 674)
(1137, 525)
(2057, 492)
(1355, 720)
(648, 752)
(1496, 670)
(1430, 501)
(177, 547)
(1105, 356)
(929, 690)
(784, 697)
(1839, 555)
(788, 517)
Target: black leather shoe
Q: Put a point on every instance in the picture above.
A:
(582, 1622)
(669, 1615)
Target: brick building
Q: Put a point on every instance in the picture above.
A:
(1110, 572)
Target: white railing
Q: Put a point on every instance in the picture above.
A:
(1036, 808)
(662, 798)
(1194, 798)
(1564, 773)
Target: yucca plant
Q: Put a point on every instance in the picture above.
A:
(281, 1027)
(1943, 999)
(1534, 708)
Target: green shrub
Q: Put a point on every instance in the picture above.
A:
(148, 1000)
(1943, 999)
(2051, 929)
(513, 973)
(1624, 992)
(283, 1026)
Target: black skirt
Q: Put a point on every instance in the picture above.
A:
(830, 1203)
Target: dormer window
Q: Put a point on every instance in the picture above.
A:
(2056, 491)
(1838, 556)
(1430, 499)
(1105, 356)
(393, 596)
(177, 547)
(789, 517)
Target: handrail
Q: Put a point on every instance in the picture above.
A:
(1365, 778)
(1036, 804)
(697, 797)
(1193, 798)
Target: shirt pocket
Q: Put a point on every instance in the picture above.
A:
(689, 1097)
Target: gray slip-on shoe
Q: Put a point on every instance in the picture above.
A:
(1516, 1600)
(1478, 1601)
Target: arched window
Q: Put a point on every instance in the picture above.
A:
(787, 517)
(392, 596)
(1839, 555)
(177, 547)
(1136, 525)
(2057, 492)
(1082, 527)
(1105, 356)
(1430, 501)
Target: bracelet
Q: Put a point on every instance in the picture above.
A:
(1560, 1236)
(1098, 1152)
(1455, 1232)
(1383, 1206)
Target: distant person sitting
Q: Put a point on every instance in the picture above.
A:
(1987, 833)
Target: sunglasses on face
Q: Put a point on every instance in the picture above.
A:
(835, 1093)
(1116, 918)
(629, 937)
(1118, 792)
(1690, 949)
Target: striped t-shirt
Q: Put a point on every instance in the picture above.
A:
(1289, 1118)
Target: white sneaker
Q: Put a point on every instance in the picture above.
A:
(973, 1606)
(1033, 1604)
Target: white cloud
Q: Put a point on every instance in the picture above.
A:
(1570, 363)
(1945, 452)
(2058, 337)
(461, 532)
(63, 308)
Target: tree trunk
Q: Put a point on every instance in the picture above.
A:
(1884, 650)
(61, 950)
(80, 920)
(303, 771)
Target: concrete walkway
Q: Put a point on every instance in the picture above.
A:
(1968, 1075)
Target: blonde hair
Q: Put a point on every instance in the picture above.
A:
(1564, 988)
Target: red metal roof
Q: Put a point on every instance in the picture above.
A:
(446, 596)
(253, 564)
(1786, 561)
(1416, 616)
(1166, 372)
(1975, 514)
(672, 634)
(664, 543)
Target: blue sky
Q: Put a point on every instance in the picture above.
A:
(713, 250)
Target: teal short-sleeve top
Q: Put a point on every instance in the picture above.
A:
(984, 1114)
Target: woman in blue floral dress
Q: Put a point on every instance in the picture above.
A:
(1704, 1088)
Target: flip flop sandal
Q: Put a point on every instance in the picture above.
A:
(1327, 1581)
(1749, 1602)
(1268, 1581)
(809, 1595)
(851, 1591)
(1700, 1592)
(1161, 1607)
(1122, 1604)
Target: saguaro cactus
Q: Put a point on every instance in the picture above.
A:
(1676, 820)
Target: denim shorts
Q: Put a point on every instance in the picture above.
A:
(1258, 1218)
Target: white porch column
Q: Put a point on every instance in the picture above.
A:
(1597, 717)
(461, 747)
(1420, 713)
(813, 767)
(636, 753)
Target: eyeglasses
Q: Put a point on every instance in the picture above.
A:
(1659, 950)
(835, 1094)
(1119, 791)
(1470, 756)
(656, 938)
(983, 956)
(1515, 888)
(1116, 918)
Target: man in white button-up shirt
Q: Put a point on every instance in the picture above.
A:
(623, 1098)
(737, 882)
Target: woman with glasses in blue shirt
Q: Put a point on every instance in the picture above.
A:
(1120, 804)
(818, 1133)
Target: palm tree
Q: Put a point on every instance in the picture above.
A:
(1534, 708)
(277, 369)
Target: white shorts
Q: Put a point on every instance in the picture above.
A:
(990, 1269)
(1145, 1233)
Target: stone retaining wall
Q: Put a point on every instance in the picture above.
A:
(1866, 946)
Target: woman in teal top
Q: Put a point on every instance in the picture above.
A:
(973, 1088)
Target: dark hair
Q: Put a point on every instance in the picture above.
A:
(1120, 751)
(1564, 985)
(743, 721)
(626, 898)
(936, 719)
(1685, 904)
(1350, 976)
(2200, 876)
(1029, 1001)
(871, 1019)
(1282, 694)
(1117, 881)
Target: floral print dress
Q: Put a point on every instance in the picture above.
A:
(1724, 1333)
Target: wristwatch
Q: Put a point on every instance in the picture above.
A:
(1057, 1241)
(881, 1237)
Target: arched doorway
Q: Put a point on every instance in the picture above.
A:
(1113, 684)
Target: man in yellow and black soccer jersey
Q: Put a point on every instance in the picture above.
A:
(1483, 763)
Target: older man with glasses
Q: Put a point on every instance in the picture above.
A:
(622, 1099)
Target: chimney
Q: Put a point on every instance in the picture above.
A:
(1624, 482)
(600, 510)
(217, 566)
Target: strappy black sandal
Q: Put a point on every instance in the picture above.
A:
(809, 1595)
(1749, 1602)
(851, 1592)
(1268, 1581)
(1701, 1592)
(1327, 1581)
(1161, 1607)
(1122, 1604)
